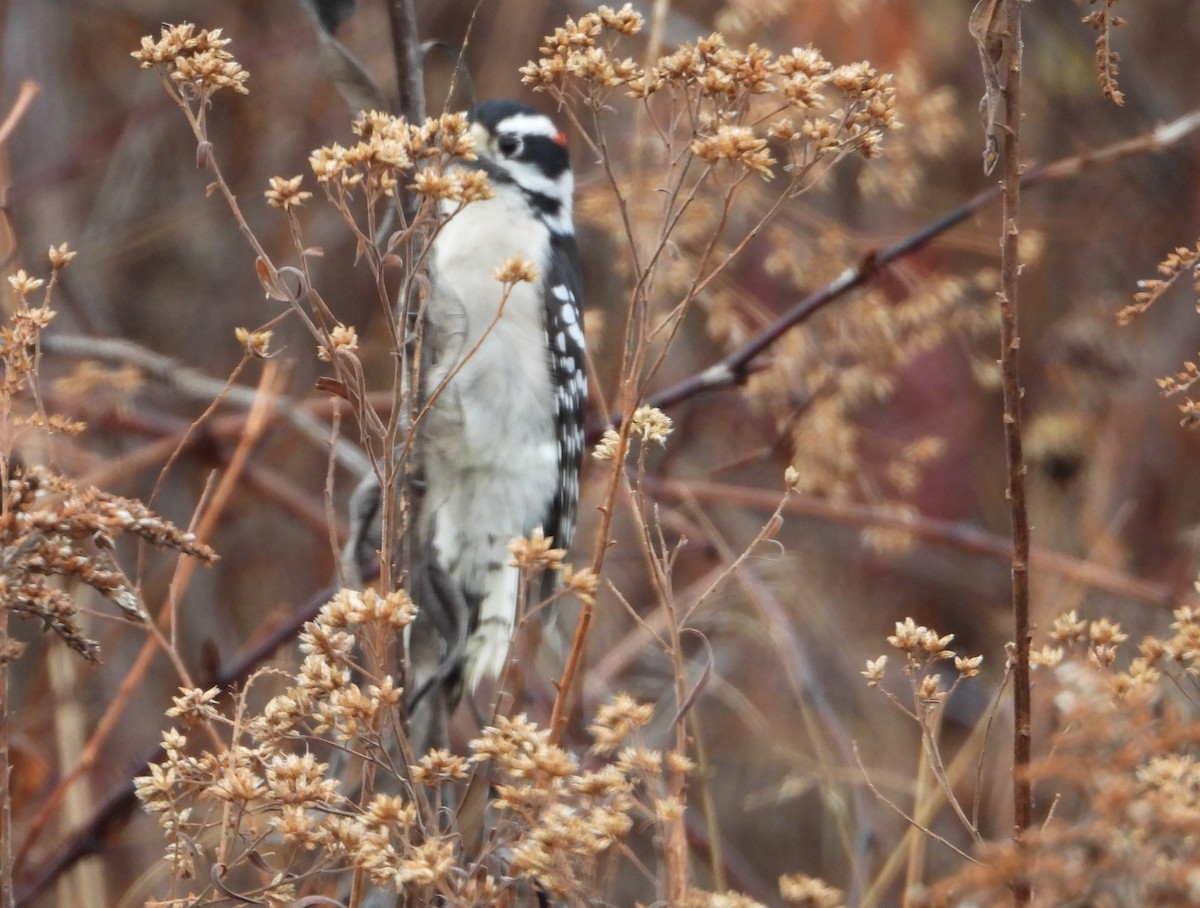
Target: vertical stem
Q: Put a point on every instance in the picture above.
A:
(1009, 365)
(400, 492)
(410, 77)
(6, 864)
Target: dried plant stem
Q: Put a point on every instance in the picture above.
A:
(6, 862)
(912, 821)
(1011, 379)
(410, 79)
(558, 713)
(914, 868)
(658, 563)
(930, 731)
(930, 799)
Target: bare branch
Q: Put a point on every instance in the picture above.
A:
(739, 365)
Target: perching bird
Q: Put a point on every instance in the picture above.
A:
(501, 447)
(503, 442)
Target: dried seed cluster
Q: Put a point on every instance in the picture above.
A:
(1181, 261)
(194, 60)
(286, 193)
(557, 816)
(924, 649)
(1123, 771)
(48, 526)
(1177, 263)
(1104, 21)
(648, 423)
(393, 152)
(741, 101)
(536, 553)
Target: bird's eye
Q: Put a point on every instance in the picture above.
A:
(509, 145)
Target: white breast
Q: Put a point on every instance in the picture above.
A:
(491, 456)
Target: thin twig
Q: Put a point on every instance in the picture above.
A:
(912, 821)
(925, 809)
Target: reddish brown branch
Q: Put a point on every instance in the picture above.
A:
(1010, 343)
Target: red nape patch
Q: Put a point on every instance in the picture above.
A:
(561, 138)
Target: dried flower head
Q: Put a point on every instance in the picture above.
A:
(808, 892)
(583, 582)
(929, 690)
(286, 194)
(351, 608)
(342, 339)
(23, 284)
(439, 766)
(652, 424)
(618, 719)
(874, 671)
(606, 448)
(584, 49)
(736, 144)
(1068, 628)
(393, 152)
(194, 705)
(967, 667)
(257, 343)
(517, 270)
(1047, 656)
(60, 256)
(1103, 632)
(196, 60)
(535, 552)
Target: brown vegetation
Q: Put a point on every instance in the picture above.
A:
(810, 430)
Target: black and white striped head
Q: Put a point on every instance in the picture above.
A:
(521, 147)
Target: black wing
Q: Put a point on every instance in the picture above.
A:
(568, 378)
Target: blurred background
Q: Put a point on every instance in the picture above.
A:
(886, 528)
